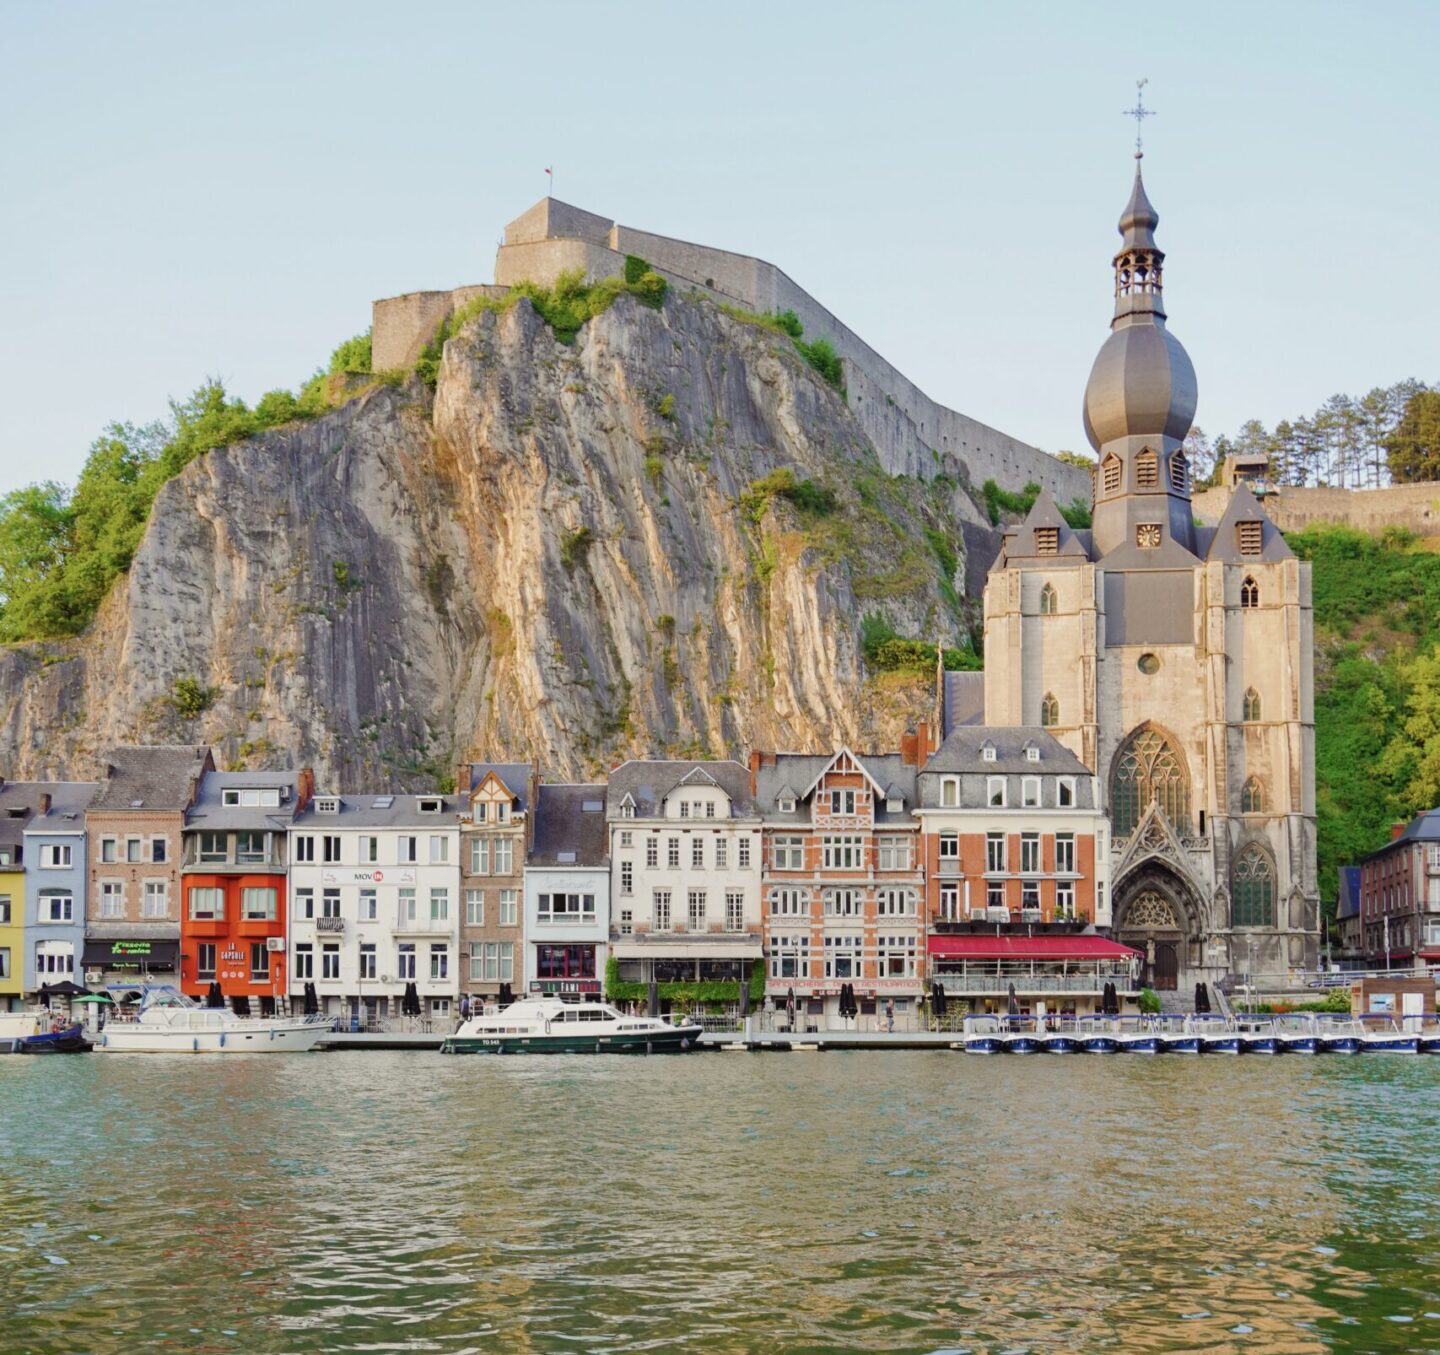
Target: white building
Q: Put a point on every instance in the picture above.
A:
(375, 903)
(684, 871)
(567, 892)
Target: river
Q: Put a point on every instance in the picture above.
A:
(926, 1201)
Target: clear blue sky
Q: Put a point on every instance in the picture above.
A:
(196, 189)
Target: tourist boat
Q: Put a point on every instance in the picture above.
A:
(1175, 1035)
(168, 1022)
(1134, 1035)
(1339, 1035)
(1020, 1035)
(548, 1025)
(1257, 1034)
(1430, 1038)
(1094, 1036)
(1055, 1036)
(1215, 1033)
(1382, 1036)
(40, 1033)
(1296, 1033)
(983, 1035)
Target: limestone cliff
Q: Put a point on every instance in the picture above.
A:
(555, 554)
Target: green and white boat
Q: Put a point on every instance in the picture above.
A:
(548, 1025)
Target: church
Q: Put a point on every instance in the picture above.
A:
(1175, 660)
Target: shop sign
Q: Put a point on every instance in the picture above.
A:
(118, 949)
(377, 876)
(550, 987)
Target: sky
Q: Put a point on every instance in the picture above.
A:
(222, 190)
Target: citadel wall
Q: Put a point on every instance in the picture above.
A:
(912, 434)
(1416, 508)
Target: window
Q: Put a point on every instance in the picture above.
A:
(502, 812)
(369, 850)
(55, 959)
(112, 900)
(368, 960)
(894, 853)
(995, 898)
(1049, 711)
(252, 798)
(994, 851)
(57, 907)
(695, 909)
(1110, 472)
(987, 752)
(895, 903)
(684, 809)
(1179, 472)
(949, 792)
(742, 846)
(627, 838)
(1047, 542)
(159, 851)
(251, 849)
(660, 907)
(734, 910)
(789, 853)
(627, 877)
(1029, 853)
(132, 849)
(722, 853)
(1065, 853)
(565, 962)
(474, 907)
(1250, 536)
(697, 853)
(439, 849)
(214, 847)
(305, 903)
(405, 848)
(1029, 898)
(1149, 769)
(672, 853)
(949, 848)
(896, 956)
(55, 855)
(1149, 664)
(479, 856)
(1065, 792)
(481, 809)
(842, 802)
(652, 852)
(1249, 593)
(405, 960)
(258, 904)
(156, 900)
(789, 957)
(330, 848)
(567, 908)
(259, 962)
(329, 903)
(205, 960)
(304, 848)
(4, 962)
(789, 903)
(491, 961)
(107, 849)
(844, 853)
(509, 908)
(1147, 470)
(627, 922)
(842, 957)
(369, 905)
(1251, 709)
(439, 904)
(1065, 900)
(1030, 792)
(1253, 888)
(329, 961)
(1252, 797)
(843, 903)
(504, 856)
(431, 805)
(409, 908)
(995, 791)
(627, 809)
(439, 962)
(786, 804)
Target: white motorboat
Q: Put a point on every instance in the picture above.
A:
(168, 1022)
(546, 1025)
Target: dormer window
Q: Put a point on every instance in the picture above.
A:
(1047, 540)
(1250, 537)
(786, 804)
(431, 804)
(627, 810)
(1179, 472)
(481, 810)
(894, 804)
(1110, 470)
(1147, 470)
(327, 804)
(502, 812)
(1032, 752)
(987, 752)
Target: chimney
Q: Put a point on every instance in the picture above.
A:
(909, 742)
(923, 746)
(304, 788)
(44, 803)
(1395, 830)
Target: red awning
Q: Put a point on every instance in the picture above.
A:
(983, 947)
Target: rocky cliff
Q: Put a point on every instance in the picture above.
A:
(560, 552)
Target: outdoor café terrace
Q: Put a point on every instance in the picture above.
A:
(990, 962)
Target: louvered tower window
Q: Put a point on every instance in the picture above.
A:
(1179, 472)
(1110, 473)
(1147, 470)
(1047, 540)
(1250, 536)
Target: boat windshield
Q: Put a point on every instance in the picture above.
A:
(163, 995)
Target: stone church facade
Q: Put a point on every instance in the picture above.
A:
(1174, 660)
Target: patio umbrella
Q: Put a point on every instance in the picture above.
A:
(410, 1003)
(506, 996)
(744, 998)
(44, 994)
(1112, 1000)
(653, 997)
(67, 988)
(95, 997)
(241, 1004)
(214, 998)
(312, 1001)
(1014, 1002)
(938, 998)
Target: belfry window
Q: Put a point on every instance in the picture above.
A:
(1250, 536)
(1252, 797)
(1252, 888)
(1147, 470)
(1179, 472)
(1251, 710)
(1148, 769)
(1047, 600)
(1049, 711)
(1047, 540)
(1110, 469)
(1249, 592)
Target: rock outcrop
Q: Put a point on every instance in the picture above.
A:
(560, 553)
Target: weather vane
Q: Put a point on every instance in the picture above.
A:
(1139, 113)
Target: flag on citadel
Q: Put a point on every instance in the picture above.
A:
(548, 170)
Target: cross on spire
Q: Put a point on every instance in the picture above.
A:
(1139, 113)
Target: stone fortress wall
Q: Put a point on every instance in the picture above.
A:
(912, 434)
(1416, 508)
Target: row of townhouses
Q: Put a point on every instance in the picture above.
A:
(975, 864)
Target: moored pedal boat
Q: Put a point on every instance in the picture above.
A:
(1296, 1033)
(1135, 1035)
(1175, 1035)
(1339, 1035)
(1055, 1036)
(983, 1035)
(1215, 1033)
(1257, 1034)
(1093, 1036)
(547, 1025)
(1382, 1036)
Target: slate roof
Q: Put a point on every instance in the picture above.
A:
(1245, 507)
(960, 752)
(649, 782)
(563, 825)
(963, 701)
(372, 811)
(1422, 828)
(23, 797)
(1347, 900)
(151, 777)
(799, 770)
(1045, 512)
(515, 775)
(211, 813)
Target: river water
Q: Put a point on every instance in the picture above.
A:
(922, 1201)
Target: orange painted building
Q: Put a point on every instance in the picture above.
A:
(234, 897)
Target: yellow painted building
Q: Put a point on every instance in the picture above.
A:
(12, 931)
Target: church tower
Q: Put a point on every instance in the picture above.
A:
(1175, 659)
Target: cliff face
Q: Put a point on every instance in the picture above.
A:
(554, 556)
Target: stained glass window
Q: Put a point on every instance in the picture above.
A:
(1049, 711)
(1252, 888)
(1149, 768)
(1047, 600)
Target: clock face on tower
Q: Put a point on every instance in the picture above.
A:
(1147, 534)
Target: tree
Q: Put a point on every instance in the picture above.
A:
(1199, 454)
(34, 540)
(1412, 758)
(1413, 449)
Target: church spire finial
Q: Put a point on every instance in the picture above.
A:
(1139, 113)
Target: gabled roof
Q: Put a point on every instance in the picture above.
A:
(647, 782)
(697, 776)
(1044, 513)
(786, 793)
(139, 777)
(1347, 900)
(960, 753)
(514, 776)
(860, 766)
(382, 809)
(1245, 507)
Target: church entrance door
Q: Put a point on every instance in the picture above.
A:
(1167, 967)
(1151, 924)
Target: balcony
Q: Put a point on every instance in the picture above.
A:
(329, 924)
(424, 926)
(962, 984)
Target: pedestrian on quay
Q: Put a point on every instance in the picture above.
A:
(465, 1008)
(890, 1015)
